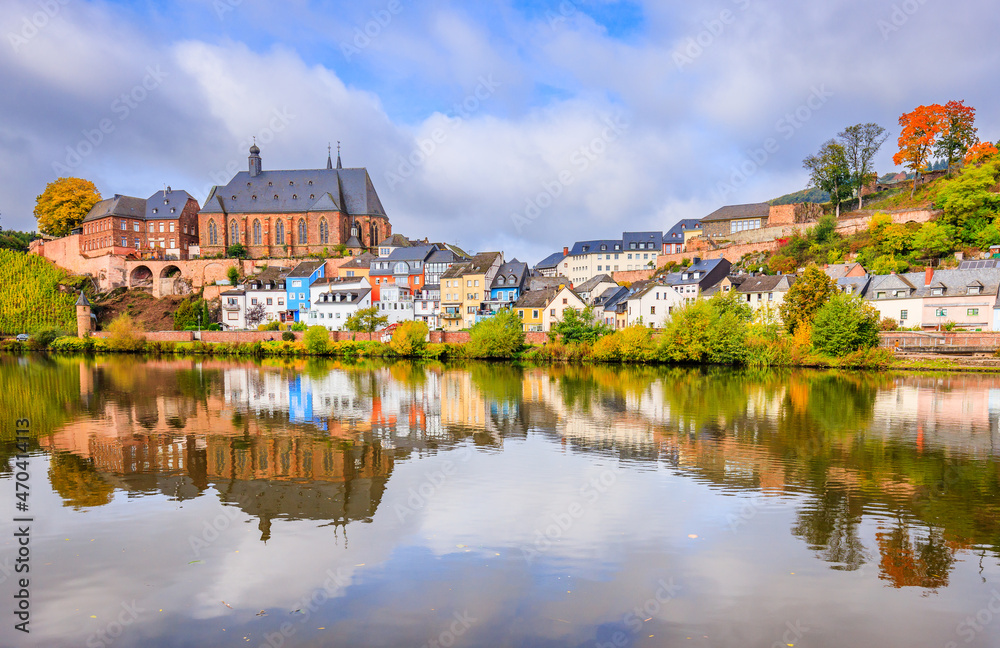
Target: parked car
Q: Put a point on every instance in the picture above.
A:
(23, 337)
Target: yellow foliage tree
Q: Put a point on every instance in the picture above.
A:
(64, 204)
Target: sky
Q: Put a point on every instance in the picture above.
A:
(510, 125)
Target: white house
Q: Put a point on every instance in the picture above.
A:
(652, 305)
(898, 296)
(427, 306)
(267, 289)
(396, 302)
(333, 301)
(233, 309)
(563, 299)
(764, 291)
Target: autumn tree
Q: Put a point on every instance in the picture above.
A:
(828, 172)
(860, 144)
(64, 204)
(958, 132)
(921, 128)
(979, 152)
(805, 297)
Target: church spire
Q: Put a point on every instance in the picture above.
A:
(339, 165)
(329, 162)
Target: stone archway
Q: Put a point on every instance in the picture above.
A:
(140, 277)
(172, 282)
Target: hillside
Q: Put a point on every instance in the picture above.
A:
(35, 293)
(811, 195)
(150, 313)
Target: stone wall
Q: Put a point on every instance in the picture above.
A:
(632, 276)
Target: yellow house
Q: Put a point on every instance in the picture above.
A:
(531, 306)
(465, 289)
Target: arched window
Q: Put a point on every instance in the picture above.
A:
(234, 232)
(303, 237)
(279, 233)
(213, 233)
(256, 233)
(324, 231)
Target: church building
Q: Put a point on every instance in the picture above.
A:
(293, 213)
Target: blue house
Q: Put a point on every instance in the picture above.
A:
(297, 284)
(508, 284)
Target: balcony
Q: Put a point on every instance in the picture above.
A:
(231, 307)
(449, 315)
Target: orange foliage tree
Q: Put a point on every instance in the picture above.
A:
(979, 152)
(63, 205)
(921, 129)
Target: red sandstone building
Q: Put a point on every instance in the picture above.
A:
(293, 213)
(164, 225)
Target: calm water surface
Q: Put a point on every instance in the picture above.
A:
(215, 503)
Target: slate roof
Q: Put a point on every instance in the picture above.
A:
(550, 261)
(306, 268)
(654, 238)
(766, 283)
(348, 190)
(859, 284)
(482, 262)
(443, 256)
(363, 260)
(838, 270)
(539, 283)
(676, 233)
(912, 282)
(513, 267)
(82, 300)
(956, 282)
(702, 268)
(591, 247)
(358, 292)
(339, 281)
(456, 270)
(610, 297)
(536, 298)
(273, 274)
(396, 240)
(121, 206)
(164, 201)
(733, 212)
(588, 285)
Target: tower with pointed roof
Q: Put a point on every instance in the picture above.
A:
(297, 213)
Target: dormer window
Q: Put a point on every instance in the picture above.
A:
(275, 196)
(604, 247)
(253, 197)
(937, 291)
(294, 197)
(312, 196)
(290, 183)
(975, 290)
(155, 210)
(631, 246)
(310, 183)
(900, 293)
(248, 185)
(880, 295)
(234, 197)
(269, 184)
(849, 290)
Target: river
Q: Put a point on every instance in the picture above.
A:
(303, 503)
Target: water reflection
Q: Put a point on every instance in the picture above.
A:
(887, 475)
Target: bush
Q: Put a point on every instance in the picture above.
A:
(233, 274)
(299, 326)
(317, 340)
(43, 337)
(409, 338)
(845, 324)
(125, 335)
(270, 326)
(888, 324)
(632, 344)
(288, 336)
(500, 336)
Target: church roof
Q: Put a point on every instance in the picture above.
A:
(121, 206)
(297, 191)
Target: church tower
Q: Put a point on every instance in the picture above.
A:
(254, 160)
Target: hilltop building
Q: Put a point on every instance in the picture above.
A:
(294, 213)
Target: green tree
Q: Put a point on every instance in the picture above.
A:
(933, 240)
(826, 229)
(969, 201)
(500, 336)
(233, 274)
(64, 204)
(805, 297)
(958, 134)
(236, 251)
(844, 324)
(366, 320)
(861, 142)
(579, 326)
(829, 172)
(317, 340)
(409, 338)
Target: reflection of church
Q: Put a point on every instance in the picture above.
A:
(293, 213)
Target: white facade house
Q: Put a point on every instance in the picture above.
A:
(268, 290)
(427, 306)
(764, 291)
(898, 296)
(396, 302)
(563, 300)
(652, 305)
(233, 313)
(333, 301)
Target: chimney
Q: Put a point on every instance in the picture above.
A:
(565, 251)
(695, 260)
(928, 275)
